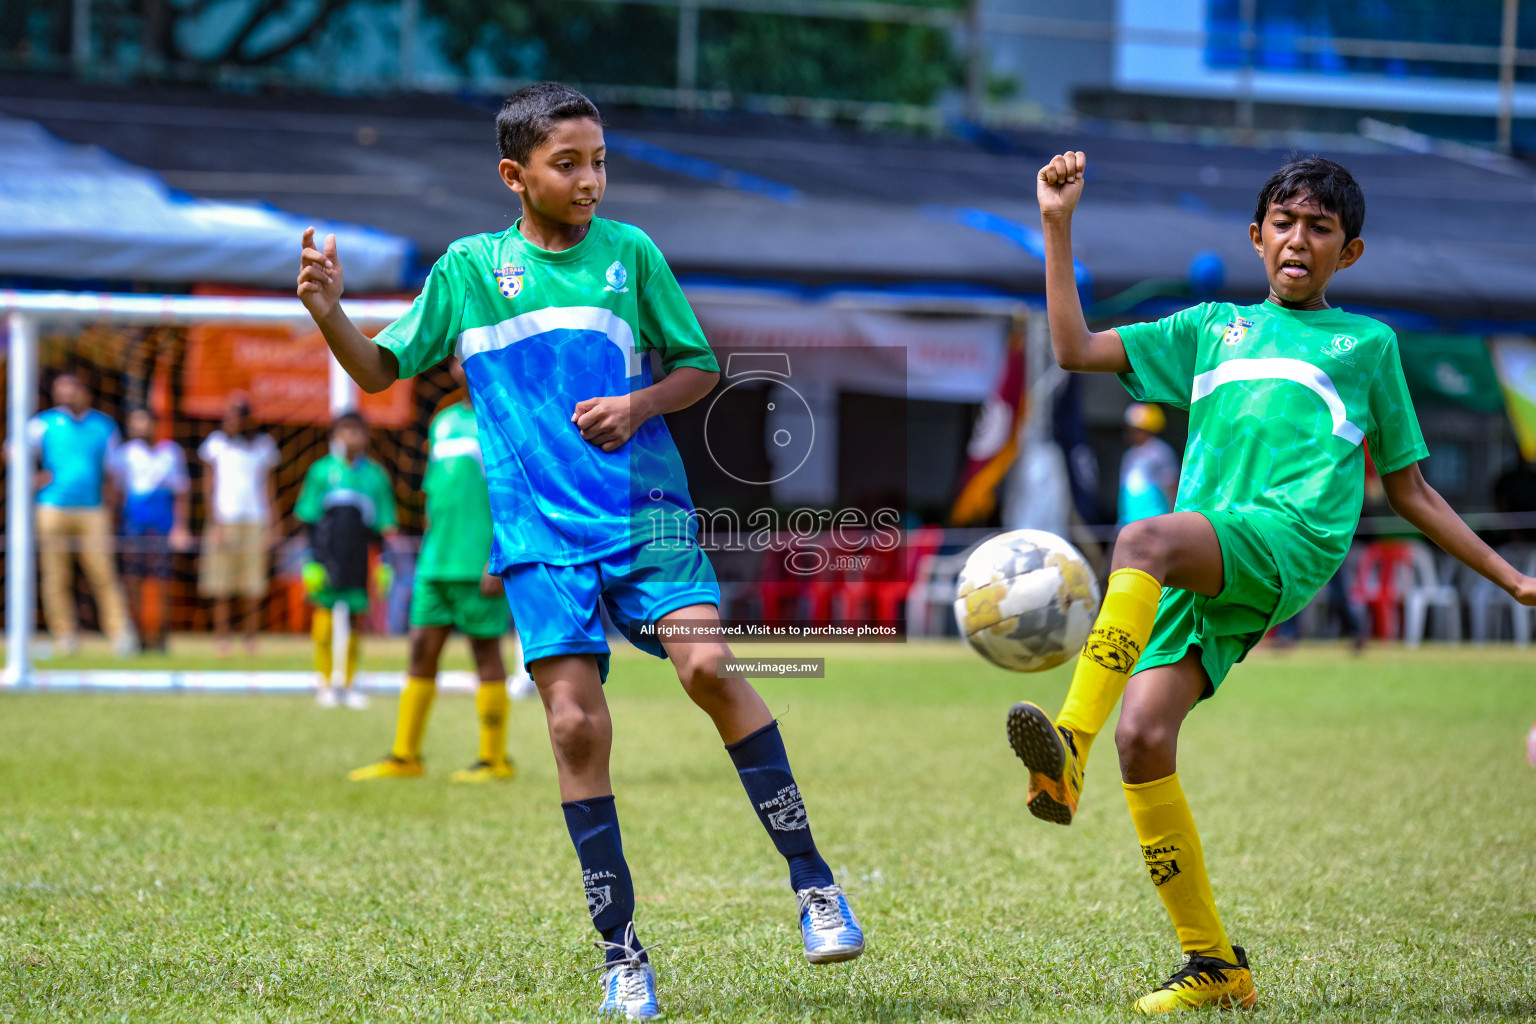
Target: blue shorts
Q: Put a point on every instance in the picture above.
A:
(146, 551)
(555, 607)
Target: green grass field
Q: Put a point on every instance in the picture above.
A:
(1370, 826)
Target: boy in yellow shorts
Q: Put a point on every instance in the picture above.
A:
(1283, 396)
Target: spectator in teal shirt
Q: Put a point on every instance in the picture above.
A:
(72, 442)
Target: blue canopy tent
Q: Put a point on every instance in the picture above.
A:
(79, 213)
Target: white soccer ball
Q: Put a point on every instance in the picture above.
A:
(1026, 600)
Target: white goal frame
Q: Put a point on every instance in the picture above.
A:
(25, 312)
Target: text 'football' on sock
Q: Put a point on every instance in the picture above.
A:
(763, 765)
(594, 828)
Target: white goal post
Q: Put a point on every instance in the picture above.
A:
(25, 311)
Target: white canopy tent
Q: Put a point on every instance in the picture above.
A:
(80, 213)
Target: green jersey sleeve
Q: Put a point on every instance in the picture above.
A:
(667, 323)
(1394, 436)
(428, 331)
(1162, 356)
(383, 500)
(310, 506)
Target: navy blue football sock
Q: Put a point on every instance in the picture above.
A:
(764, 769)
(594, 828)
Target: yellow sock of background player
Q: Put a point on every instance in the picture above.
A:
(352, 650)
(1170, 845)
(1119, 636)
(415, 706)
(492, 707)
(320, 633)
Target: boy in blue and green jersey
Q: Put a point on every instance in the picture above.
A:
(453, 591)
(1282, 397)
(553, 320)
(346, 502)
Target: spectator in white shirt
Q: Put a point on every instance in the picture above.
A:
(241, 494)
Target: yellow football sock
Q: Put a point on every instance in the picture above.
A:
(1118, 638)
(1171, 848)
(415, 706)
(492, 706)
(320, 633)
(352, 649)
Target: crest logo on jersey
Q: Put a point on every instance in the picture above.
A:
(617, 278)
(1237, 329)
(509, 279)
(1342, 345)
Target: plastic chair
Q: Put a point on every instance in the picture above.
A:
(934, 584)
(1378, 584)
(1485, 600)
(880, 591)
(1423, 592)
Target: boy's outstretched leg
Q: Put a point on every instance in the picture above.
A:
(1216, 972)
(828, 927)
(1177, 550)
(581, 733)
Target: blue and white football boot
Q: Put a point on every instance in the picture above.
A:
(629, 983)
(827, 925)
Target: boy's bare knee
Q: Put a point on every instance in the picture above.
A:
(698, 671)
(577, 734)
(1145, 545)
(1140, 740)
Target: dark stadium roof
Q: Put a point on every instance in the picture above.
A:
(1442, 235)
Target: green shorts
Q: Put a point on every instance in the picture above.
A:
(355, 598)
(459, 603)
(1226, 627)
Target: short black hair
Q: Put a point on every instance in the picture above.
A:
(352, 417)
(1327, 183)
(528, 117)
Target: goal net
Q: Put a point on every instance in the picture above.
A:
(186, 358)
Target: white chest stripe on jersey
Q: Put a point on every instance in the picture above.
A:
(477, 340)
(1296, 370)
(454, 447)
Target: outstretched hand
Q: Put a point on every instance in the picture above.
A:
(320, 276)
(1059, 185)
(606, 422)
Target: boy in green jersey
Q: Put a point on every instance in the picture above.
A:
(453, 590)
(1282, 397)
(347, 502)
(554, 320)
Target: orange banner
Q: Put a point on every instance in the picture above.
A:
(287, 376)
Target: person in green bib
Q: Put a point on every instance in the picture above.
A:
(453, 590)
(347, 502)
(1283, 396)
